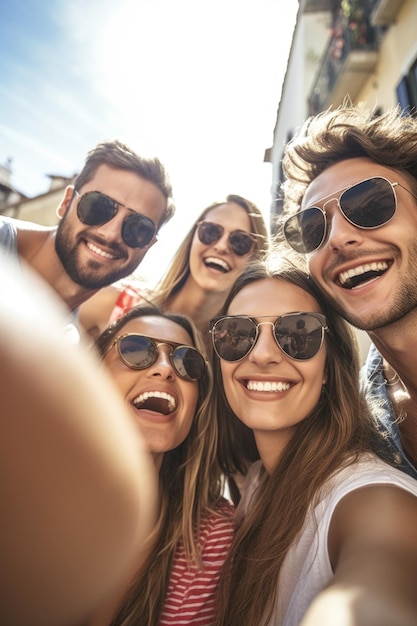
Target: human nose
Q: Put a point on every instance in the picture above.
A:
(266, 349)
(163, 366)
(340, 232)
(223, 243)
(112, 230)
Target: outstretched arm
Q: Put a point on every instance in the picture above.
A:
(77, 489)
(373, 548)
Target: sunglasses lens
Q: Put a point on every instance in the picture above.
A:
(241, 243)
(305, 230)
(370, 203)
(95, 209)
(300, 336)
(138, 230)
(188, 363)
(208, 232)
(233, 337)
(137, 351)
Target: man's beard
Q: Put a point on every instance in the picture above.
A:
(404, 302)
(90, 278)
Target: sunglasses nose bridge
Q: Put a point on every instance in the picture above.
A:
(162, 365)
(264, 348)
(223, 241)
(113, 227)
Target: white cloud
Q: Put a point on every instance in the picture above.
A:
(196, 83)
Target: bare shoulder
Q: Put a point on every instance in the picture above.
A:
(31, 237)
(373, 513)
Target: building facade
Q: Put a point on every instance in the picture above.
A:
(363, 50)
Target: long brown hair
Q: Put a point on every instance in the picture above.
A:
(337, 430)
(190, 487)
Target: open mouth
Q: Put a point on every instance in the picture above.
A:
(362, 274)
(217, 264)
(157, 401)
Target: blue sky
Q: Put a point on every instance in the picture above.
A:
(196, 83)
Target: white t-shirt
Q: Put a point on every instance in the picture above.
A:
(306, 569)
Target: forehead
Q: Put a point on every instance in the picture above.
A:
(272, 297)
(230, 215)
(341, 175)
(158, 327)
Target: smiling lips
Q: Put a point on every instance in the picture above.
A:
(268, 386)
(99, 251)
(362, 273)
(158, 401)
(218, 264)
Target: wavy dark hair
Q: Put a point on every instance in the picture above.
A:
(348, 132)
(121, 157)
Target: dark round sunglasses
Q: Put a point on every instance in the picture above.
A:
(95, 208)
(240, 241)
(368, 204)
(299, 335)
(140, 352)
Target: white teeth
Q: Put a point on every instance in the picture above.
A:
(256, 385)
(362, 269)
(156, 394)
(99, 251)
(217, 261)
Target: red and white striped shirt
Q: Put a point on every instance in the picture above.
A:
(191, 592)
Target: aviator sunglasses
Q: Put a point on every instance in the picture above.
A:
(368, 204)
(95, 208)
(140, 352)
(240, 241)
(298, 335)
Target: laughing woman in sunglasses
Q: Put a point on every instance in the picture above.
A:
(157, 361)
(223, 239)
(326, 530)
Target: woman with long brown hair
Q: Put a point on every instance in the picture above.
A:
(326, 529)
(159, 364)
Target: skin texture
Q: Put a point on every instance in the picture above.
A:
(372, 541)
(385, 299)
(97, 255)
(386, 305)
(272, 415)
(90, 266)
(161, 432)
(232, 217)
(204, 291)
(78, 491)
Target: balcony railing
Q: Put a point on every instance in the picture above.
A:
(349, 58)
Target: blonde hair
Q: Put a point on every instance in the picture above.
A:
(179, 268)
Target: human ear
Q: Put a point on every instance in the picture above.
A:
(64, 205)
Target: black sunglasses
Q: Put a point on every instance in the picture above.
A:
(240, 241)
(368, 204)
(140, 352)
(299, 335)
(95, 208)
